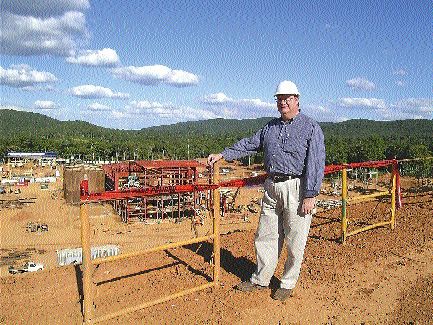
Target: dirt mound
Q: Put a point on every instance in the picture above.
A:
(376, 277)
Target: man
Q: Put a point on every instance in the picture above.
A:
(294, 158)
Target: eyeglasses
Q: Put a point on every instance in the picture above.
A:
(285, 101)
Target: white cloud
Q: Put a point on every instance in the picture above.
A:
(45, 104)
(238, 108)
(145, 105)
(97, 107)
(360, 84)
(322, 113)
(180, 78)
(23, 76)
(373, 103)
(417, 106)
(216, 99)
(389, 115)
(409, 108)
(221, 99)
(91, 91)
(400, 83)
(152, 108)
(39, 88)
(104, 57)
(28, 35)
(120, 114)
(158, 110)
(400, 72)
(12, 107)
(44, 8)
(156, 74)
(254, 103)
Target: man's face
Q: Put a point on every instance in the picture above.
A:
(288, 105)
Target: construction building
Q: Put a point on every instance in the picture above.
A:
(146, 174)
(19, 159)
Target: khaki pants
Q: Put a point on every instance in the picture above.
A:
(281, 220)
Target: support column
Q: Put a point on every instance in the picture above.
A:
(343, 205)
(393, 194)
(216, 224)
(86, 264)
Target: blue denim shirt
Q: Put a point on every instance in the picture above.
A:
(295, 147)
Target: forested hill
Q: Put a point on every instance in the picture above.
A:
(215, 127)
(351, 140)
(19, 123)
(351, 128)
(367, 128)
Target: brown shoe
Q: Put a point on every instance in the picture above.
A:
(248, 286)
(282, 294)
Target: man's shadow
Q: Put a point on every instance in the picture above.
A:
(79, 277)
(241, 267)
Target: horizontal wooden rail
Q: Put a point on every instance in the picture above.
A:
(151, 250)
(154, 302)
(367, 197)
(379, 224)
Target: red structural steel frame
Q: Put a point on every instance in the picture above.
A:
(249, 181)
(124, 169)
(367, 164)
(155, 177)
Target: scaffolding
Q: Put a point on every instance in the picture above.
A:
(145, 174)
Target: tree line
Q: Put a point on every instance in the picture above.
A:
(349, 141)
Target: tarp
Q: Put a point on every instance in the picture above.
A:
(75, 255)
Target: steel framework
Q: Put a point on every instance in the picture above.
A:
(157, 174)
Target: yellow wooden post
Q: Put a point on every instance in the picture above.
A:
(216, 224)
(86, 264)
(343, 205)
(393, 198)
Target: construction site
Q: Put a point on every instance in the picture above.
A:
(165, 242)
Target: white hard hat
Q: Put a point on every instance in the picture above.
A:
(286, 87)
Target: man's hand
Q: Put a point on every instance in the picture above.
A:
(213, 158)
(308, 205)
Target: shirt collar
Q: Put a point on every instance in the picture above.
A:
(289, 121)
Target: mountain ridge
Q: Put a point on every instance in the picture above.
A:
(29, 122)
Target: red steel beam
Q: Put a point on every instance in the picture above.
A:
(367, 164)
(124, 168)
(161, 190)
(150, 191)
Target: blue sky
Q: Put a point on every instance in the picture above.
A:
(134, 64)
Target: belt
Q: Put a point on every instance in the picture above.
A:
(277, 178)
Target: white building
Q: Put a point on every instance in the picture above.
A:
(18, 159)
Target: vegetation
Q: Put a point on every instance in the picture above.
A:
(350, 141)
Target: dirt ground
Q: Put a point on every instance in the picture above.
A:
(381, 276)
